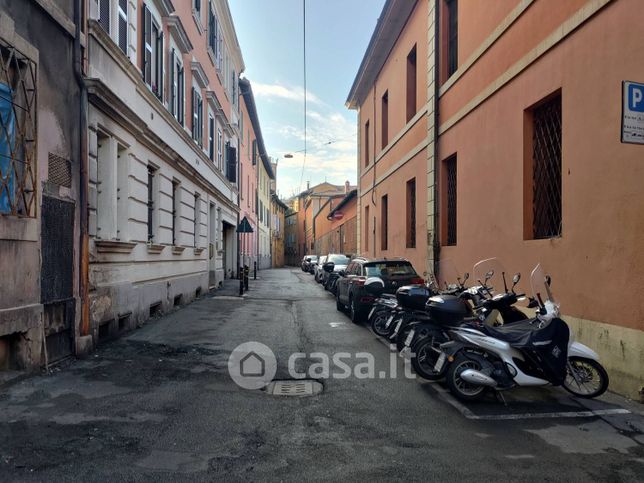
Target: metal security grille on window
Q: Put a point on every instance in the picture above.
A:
(546, 159)
(450, 166)
(60, 171)
(17, 133)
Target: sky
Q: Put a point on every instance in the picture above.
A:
(270, 33)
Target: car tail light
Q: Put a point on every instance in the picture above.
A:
(366, 300)
(417, 280)
(360, 282)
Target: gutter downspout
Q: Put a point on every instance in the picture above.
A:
(83, 188)
(436, 240)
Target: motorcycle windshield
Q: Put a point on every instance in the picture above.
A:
(448, 275)
(541, 289)
(491, 269)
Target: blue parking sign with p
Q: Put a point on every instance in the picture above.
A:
(632, 112)
(635, 97)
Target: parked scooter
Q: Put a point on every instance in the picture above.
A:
(535, 352)
(476, 304)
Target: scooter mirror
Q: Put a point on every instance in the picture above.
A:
(466, 276)
(516, 278)
(489, 275)
(548, 280)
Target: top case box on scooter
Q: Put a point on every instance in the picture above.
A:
(448, 309)
(413, 297)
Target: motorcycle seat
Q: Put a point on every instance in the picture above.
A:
(517, 334)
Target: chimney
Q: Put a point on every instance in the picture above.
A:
(347, 187)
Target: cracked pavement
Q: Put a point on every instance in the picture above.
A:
(159, 404)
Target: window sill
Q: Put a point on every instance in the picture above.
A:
(155, 249)
(113, 246)
(177, 250)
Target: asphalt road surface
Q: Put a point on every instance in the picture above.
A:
(159, 404)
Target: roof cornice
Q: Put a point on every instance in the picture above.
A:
(226, 19)
(392, 21)
(247, 92)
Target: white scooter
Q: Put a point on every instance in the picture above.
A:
(536, 352)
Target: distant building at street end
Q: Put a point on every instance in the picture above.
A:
(307, 205)
(291, 254)
(336, 226)
(278, 232)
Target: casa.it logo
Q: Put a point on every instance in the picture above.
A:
(252, 365)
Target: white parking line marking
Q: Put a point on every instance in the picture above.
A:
(336, 324)
(445, 395)
(563, 414)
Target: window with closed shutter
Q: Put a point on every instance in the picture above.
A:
(173, 85)
(181, 92)
(104, 14)
(211, 138)
(231, 162)
(158, 71)
(146, 35)
(123, 40)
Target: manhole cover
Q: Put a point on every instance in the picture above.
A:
(294, 388)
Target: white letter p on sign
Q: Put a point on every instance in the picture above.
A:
(637, 97)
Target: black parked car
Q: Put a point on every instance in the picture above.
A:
(350, 293)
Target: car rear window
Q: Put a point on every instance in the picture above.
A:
(389, 269)
(338, 259)
(314, 258)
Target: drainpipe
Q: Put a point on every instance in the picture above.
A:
(436, 240)
(84, 188)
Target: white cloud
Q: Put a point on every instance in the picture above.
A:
(330, 141)
(279, 91)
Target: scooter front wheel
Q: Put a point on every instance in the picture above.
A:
(585, 378)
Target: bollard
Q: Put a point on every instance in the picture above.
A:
(255, 270)
(246, 273)
(241, 282)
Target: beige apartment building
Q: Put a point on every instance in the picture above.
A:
(163, 147)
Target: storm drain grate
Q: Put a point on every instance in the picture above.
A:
(294, 388)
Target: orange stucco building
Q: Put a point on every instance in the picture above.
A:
(335, 225)
(531, 164)
(516, 150)
(308, 205)
(390, 93)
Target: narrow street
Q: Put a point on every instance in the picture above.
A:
(159, 405)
